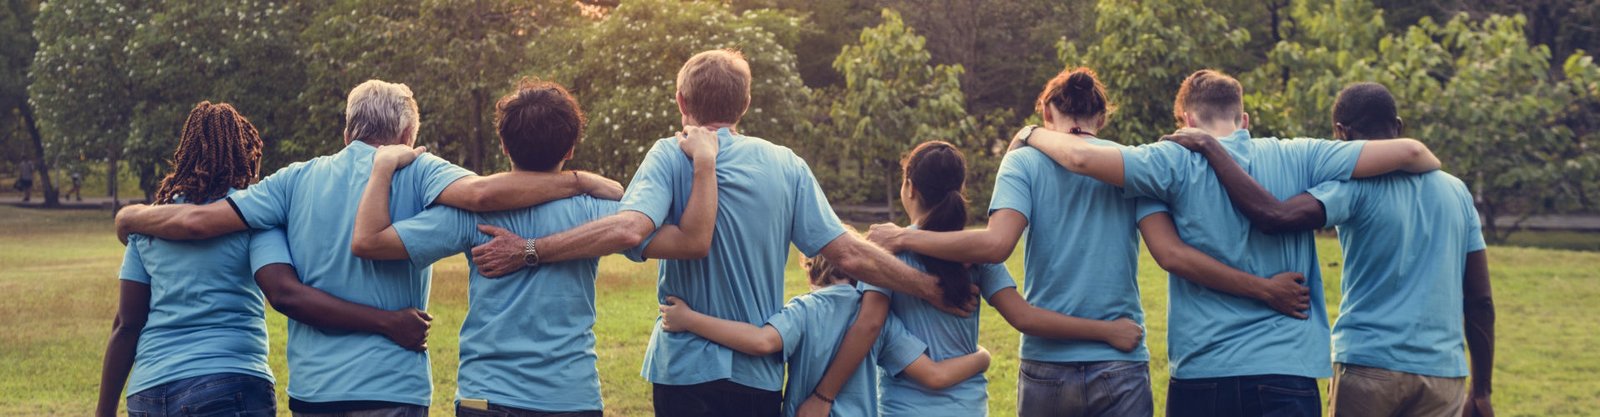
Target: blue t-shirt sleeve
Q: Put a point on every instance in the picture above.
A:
(815, 224)
(269, 247)
(436, 233)
(897, 347)
(1153, 170)
(132, 263)
(864, 287)
(650, 191)
(1324, 160)
(266, 204)
(1012, 186)
(436, 174)
(791, 324)
(1145, 207)
(1338, 199)
(992, 278)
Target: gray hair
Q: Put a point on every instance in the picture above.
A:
(378, 112)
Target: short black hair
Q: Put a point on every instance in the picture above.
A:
(538, 124)
(1366, 110)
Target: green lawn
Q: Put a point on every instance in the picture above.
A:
(58, 278)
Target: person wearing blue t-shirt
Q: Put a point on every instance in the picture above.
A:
(808, 332)
(336, 372)
(191, 324)
(767, 199)
(1416, 277)
(1079, 218)
(527, 345)
(1230, 354)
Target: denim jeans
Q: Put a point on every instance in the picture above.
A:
(395, 411)
(1245, 396)
(1111, 388)
(714, 399)
(503, 411)
(206, 395)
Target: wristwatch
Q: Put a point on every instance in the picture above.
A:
(530, 253)
(1022, 134)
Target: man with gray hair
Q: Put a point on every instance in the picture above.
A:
(342, 373)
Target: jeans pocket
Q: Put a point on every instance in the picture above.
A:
(1043, 374)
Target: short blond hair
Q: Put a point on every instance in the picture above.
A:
(715, 86)
(1209, 95)
(378, 112)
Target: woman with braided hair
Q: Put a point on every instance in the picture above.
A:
(191, 323)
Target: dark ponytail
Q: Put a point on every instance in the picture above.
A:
(937, 171)
(1076, 93)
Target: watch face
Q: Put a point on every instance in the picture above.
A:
(529, 259)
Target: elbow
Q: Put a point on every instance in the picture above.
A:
(284, 301)
(363, 248)
(124, 327)
(1077, 162)
(1423, 159)
(768, 346)
(700, 250)
(625, 238)
(1274, 223)
(1165, 257)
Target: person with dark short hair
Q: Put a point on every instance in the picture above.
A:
(1416, 277)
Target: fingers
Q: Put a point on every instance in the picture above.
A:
(492, 230)
(1299, 277)
(425, 316)
(418, 151)
(674, 300)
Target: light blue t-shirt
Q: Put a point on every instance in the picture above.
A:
(812, 326)
(1082, 252)
(1406, 240)
(316, 202)
(766, 199)
(207, 316)
(1214, 334)
(528, 340)
(947, 336)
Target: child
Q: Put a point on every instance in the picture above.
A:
(808, 330)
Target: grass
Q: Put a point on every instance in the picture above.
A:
(58, 280)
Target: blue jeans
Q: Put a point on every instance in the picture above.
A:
(1245, 396)
(1111, 388)
(206, 395)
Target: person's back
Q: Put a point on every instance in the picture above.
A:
(1405, 240)
(813, 325)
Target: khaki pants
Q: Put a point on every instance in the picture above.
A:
(1359, 391)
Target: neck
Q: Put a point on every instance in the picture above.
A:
(1219, 129)
(714, 126)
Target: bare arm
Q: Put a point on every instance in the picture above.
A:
(1380, 157)
(949, 372)
(1103, 163)
(179, 221)
(133, 308)
(855, 346)
(1122, 334)
(677, 316)
(691, 238)
(870, 264)
(1479, 314)
(374, 236)
(990, 245)
(1300, 213)
(611, 234)
(281, 284)
(1284, 292)
(518, 189)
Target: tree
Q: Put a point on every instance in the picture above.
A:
(17, 47)
(1291, 95)
(627, 87)
(1145, 50)
(893, 99)
(81, 88)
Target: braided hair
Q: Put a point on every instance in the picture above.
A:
(219, 149)
(938, 171)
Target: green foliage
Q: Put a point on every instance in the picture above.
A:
(82, 83)
(1145, 50)
(1292, 94)
(623, 69)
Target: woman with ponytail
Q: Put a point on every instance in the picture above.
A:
(191, 323)
(932, 192)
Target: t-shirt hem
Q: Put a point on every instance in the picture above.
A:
(134, 388)
(1440, 372)
(1192, 373)
(364, 396)
(1087, 358)
(549, 407)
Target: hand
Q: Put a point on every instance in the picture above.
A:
(1478, 406)
(1192, 139)
(398, 155)
(502, 255)
(1125, 335)
(122, 221)
(599, 187)
(408, 327)
(675, 315)
(698, 143)
(964, 310)
(1287, 293)
(814, 407)
(888, 235)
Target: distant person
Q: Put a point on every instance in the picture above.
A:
(25, 179)
(1416, 277)
(334, 373)
(1081, 259)
(767, 199)
(807, 334)
(77, 185)
(527, 345)
(1231, 355)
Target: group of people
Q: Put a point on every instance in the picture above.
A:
(343, 245)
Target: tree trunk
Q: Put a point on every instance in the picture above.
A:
(476, 142)
(111, 178)
(51, 198)
(889, 190)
